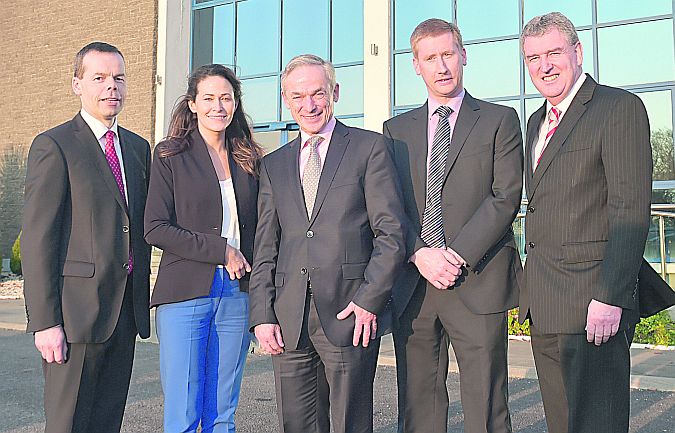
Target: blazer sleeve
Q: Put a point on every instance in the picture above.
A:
(385, 213)
(627, 161)
(161, 228)
(496, 213)
(45, 197)
(262, 292)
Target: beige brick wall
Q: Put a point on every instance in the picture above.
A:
(39, 41)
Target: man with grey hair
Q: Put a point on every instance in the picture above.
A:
(328, 242)
(588, 175)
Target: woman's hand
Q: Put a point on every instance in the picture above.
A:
(235, 263)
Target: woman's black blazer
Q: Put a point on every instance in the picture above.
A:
(183, 217)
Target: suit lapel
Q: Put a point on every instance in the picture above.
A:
(91, 150)
(466, 119)
(293, 167)
(132, 166)
(418, 148)
(336, 150)
(532, 136)
(574, 112)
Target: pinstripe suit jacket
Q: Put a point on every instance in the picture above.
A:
(588, 212)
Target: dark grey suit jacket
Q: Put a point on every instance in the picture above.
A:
(184, 218)
(588, 213)
(481, 197)
(77, 230)
(350, 247)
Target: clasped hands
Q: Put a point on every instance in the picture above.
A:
(440, 266)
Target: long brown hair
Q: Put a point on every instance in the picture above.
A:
(244, 151)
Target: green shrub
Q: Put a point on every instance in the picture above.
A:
(658, 329)
(516, 328)
(15, 260)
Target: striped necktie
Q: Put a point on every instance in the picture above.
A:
(432, 219)
(553, 121)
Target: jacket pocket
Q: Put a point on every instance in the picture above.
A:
(579, 252)
(354, 271)
(73, 268)
(278, 279)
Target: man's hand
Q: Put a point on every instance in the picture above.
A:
(269, 338)
(438, 266)
(235, 263)
(365, 323)
(51, 343)
(602, 322)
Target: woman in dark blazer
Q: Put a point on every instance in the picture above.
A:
(201, 211)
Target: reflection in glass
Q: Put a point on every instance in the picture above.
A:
(487, 18)
(223, 34)
(354, 121)
(202, 37)
(578, 11)
(652, 249)
(492, 69)
(586, 39)
(659, 110)
(351, 90)
(257, 36)
(261, 98)
(616, 10)
(636, 53)
(409, 89)
(408, 14)
(347, 31)
(304, 29)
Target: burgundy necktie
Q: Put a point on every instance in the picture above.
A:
(114, 163)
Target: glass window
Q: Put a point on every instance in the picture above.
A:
(351, 90)
(513, 103)
(636, 53)
(268, 140)
(493, 69)
(660, 112)
(532, 105)
(305, 29)
(408, 14)
(223, 34)
(487, 18)
(261, 98)
(347, 31)
(354, 121)
(578, 11)
(202, 37)
(586, 39)
(616, 10)
(409, 89)
(257, 36)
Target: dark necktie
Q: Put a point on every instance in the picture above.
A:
(114, 163)
(432, 219)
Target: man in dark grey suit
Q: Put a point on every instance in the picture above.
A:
(328, 242)
(588, 182)
(85, 263)
(460, 162)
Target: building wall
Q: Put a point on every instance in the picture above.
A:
(40, 40)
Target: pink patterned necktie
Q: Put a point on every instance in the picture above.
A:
(553, 121)
(114, 163)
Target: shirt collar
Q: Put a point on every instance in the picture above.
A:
(326, 132)
(455, 103)
(96, 126)
(565, 103)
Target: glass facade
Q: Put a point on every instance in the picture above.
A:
(258, 37)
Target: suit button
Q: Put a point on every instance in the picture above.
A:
(243, 226)
(531, 244)
(126, 266)
(214, 228)
(303, 271)
(530, 209)
(310, 234)
(125, 229)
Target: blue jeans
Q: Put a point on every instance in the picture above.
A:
(203, 344)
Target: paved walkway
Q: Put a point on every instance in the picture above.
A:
(651, 368)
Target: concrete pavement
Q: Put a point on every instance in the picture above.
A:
(650, 369)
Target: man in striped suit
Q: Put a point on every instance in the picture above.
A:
(588, 181)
